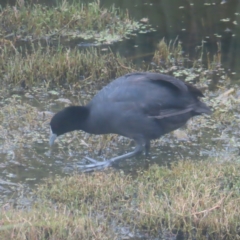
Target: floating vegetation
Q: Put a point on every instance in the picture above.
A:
(21, 125)
(195, 199)
(30, 22)
(169, 58)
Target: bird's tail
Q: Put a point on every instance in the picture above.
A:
(202, 108)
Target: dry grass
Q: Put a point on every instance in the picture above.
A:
(199, 199)
(168, 53)
(51, 222)
(195, 198)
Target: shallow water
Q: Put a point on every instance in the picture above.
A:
(214, 22)
(29, 161)
(193, 22)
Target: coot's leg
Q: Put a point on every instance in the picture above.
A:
(99, 165)
(147, 147)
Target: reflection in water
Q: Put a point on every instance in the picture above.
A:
(192, 22)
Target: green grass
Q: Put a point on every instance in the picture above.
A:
(46, 66)
(74, 20)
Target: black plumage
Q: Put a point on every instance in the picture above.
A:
(141, 106)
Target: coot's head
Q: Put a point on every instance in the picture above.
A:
(67, 120)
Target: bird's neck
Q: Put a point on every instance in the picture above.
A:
(80, 116)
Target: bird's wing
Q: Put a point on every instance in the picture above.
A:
(156, 95)
(159, 78)
(160, 111)
(166, 96)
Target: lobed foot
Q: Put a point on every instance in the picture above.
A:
(97, 165)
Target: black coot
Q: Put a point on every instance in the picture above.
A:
(140, 106)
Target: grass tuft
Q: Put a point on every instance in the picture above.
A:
(197, 199)
(72, 20)
(55, 67)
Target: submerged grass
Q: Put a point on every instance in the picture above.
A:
(198, 199)
(75, 20)
(21, 125)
